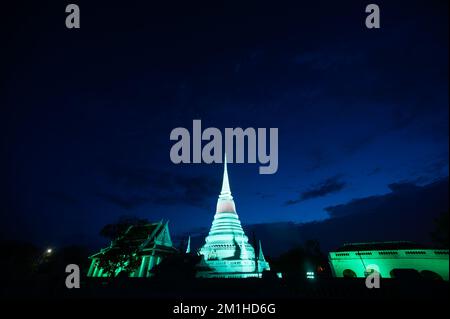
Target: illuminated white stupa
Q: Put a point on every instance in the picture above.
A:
(227, 252)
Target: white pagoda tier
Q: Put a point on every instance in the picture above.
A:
(227, 252)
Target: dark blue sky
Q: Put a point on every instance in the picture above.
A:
(86, 114)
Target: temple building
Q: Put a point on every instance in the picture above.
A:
(390, 260)
(151, 243)
(227, 252)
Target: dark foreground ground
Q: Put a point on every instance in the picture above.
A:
(326, 288)
(227, 298)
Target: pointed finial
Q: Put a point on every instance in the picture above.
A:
(225, 164)
(188, 248)
(261, 254)
(225, 183)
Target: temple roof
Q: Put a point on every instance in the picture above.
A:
(143, 237)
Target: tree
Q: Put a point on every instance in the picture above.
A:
(440, 233)
(312, 247)
(18, 259)
(113, 231)
(177, 267)
(119, 259)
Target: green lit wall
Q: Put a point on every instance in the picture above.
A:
(436, 261)
(148, 262)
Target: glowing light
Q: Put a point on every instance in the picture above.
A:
(227, 251)
(49, 251)
(310, 275)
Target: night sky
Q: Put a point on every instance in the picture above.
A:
(86, 114)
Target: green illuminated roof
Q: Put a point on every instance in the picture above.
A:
(387, 245)
(144, 237)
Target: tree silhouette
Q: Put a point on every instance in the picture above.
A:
(114, 230)
(120, 259)
(440, 234)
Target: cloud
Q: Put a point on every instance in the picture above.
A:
(403, 194)
(402, 187)
(438, 167)
(175, 189)
(136, 178)
(291, 202)
(329, 186)
(129, 202)
(166, 188)
(406, 213)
